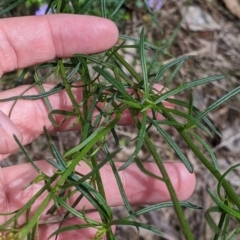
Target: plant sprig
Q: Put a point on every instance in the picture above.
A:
(110, 85)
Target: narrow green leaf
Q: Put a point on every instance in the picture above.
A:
(154, 59)
(27, 155)
(19, 80)
(94, 197)
(85, 150)
(116, 84)
(210, 220)
(144, 65)
(174, 73)
(186, 86)
(34, 219)
(189, 118)
(142, 132)
(115, 137)
(170, 123)
(54, 90)
(208, 148)
(128, 67)
(45, 99)
(163, 205)
(137, 224)
(154, 19)
(63, 112)
(190, 107)
(168, 65)
(77, 213)
(219, 102)
(145, 171)
(225, 208)
(221, 224)
(84, 143)
(120, 184)
(234, 234)
(56, 154)
(129, 103)
(69, 228)
(147, 45)
(196, 111)
(121, 2)
(93, 171)
(11, 6)
(103, 8)
(88, 118)
(87, 6)
(222, 179)
(173, 145)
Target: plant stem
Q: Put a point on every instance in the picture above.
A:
(230, 192)
(69, 91)
(177, 206)
(227, 187)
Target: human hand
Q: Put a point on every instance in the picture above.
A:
(31, 40)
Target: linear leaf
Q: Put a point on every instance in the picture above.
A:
(196, 111)
(87, 6)
(174, 73)
(84, 143)
(147, 45)
(154, 59)
(154, 19)
(137, 224)
(143, 64)
(224, 207)
(103, 8)
(173, 145)
(219, 102)
(209, 150)
(163, 205)
(121, 2)
(141, 135)
(27, 155)
(54, 90)
(116, 84)
(165, 67)
(184, 115)
(186, 86)
(11, 6)
(145, 171)
(210, 220)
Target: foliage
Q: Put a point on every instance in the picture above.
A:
(105, 82)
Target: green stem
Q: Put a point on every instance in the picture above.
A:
(35, 218)
(99, 183)
(69, 91)
(30, 202)
(177, 206)
(227, 187)
(128, 67)
(86, 149)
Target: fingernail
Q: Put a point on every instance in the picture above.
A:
(7, 130)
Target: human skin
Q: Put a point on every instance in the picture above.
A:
(27, 41)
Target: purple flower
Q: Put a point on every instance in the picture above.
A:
(155, 4)
(41, 10)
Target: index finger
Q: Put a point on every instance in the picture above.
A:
(26, 41)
